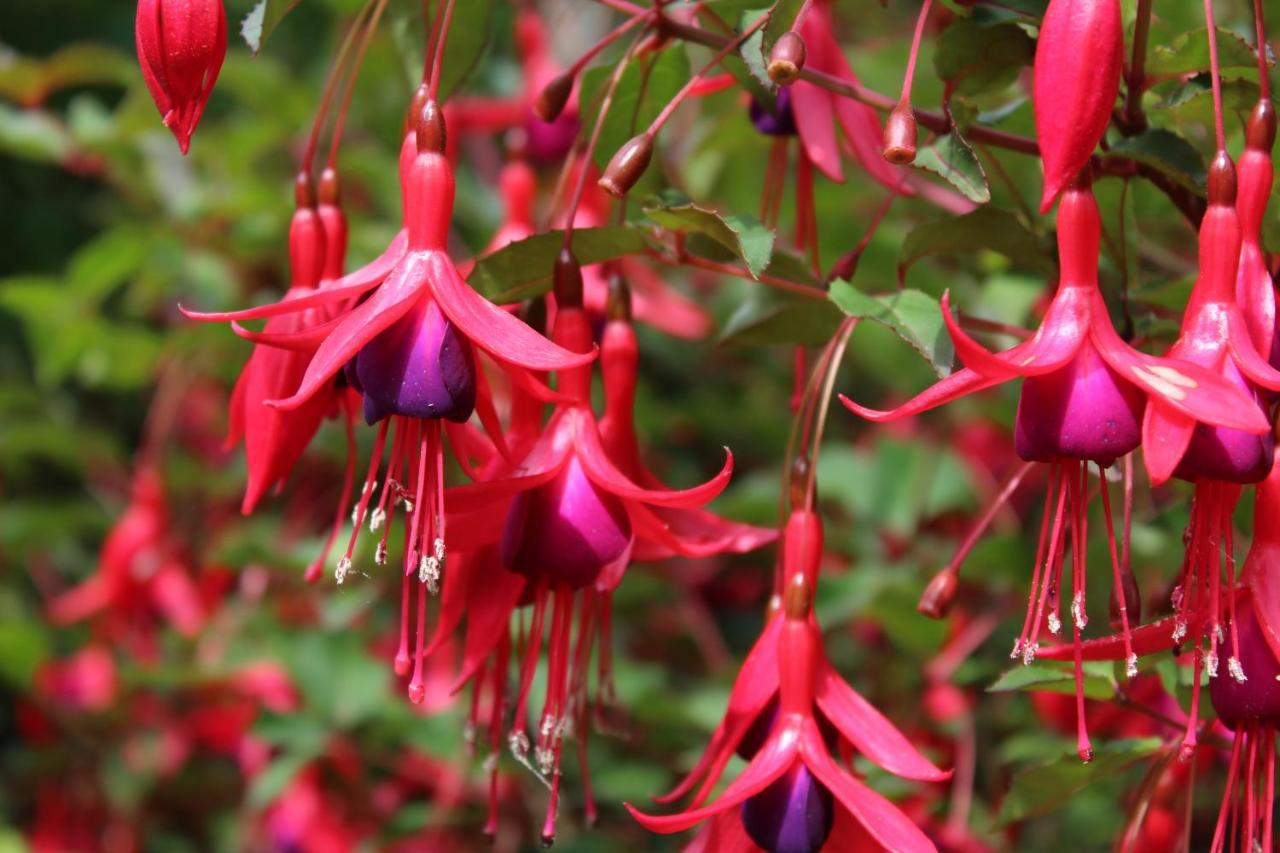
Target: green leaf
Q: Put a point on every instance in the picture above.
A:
(523, 269)
(986, 228)
(975, 59)
(1166, 151)
(913, 316)
(1045, 788)
(30, 80)
(771, 317)
(741, 234)
(33, 135)
(262, 19)
(951, 158)
(1191, 102)
(1190, 52)
(1052, 677)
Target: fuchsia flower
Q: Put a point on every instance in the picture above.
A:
(181, 46)
(275, 439)
(787, 706)
(1077, 73)
(1255, 293)
(1081, 403)
(557, 531)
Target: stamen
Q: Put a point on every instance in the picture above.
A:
(1236, 670)
(340, 571)
(376, 519)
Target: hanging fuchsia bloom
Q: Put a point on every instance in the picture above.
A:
(275, 439)
(1077, 75)
(1255, 293)
(1081, 403)
(787, 707)
(556, 531)
(181, 46)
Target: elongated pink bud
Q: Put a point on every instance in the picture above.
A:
(1077, 78)
(181, 45)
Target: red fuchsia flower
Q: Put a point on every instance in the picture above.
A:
(1081, 403)
(1255, 293)
(1077, 75)
(142, 576)
(181, 46)
(787, 708)
(275, 439)
(85, 681)
(556, 531)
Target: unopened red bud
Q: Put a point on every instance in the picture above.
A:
(566, 280)
(1222, 180)
(1260, 132)
(181, 47)
(430, 128)
(900, 135)
(786, 60)
(553, 97)
(627, 165)
(303, 192)
(847, 267)
(938, 595)
(1128, 593)
(618, 304)
(797, 599)
(329, 186)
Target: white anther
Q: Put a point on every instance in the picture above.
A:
(1236, 670)
(1055, 624)
(380, 554)
(1179, 630)
(1029, 653)
(438, 547)
(1131, 666)
(340, 570)
(490, 763)
(429, 573)
(1078, 614)
(519, 744)
(376, 519)
(1211, 664)
(545, 759)
(1175, 597)
(1017, 647)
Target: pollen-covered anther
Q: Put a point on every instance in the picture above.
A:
(1055, 624)
(380, 554)
(1029, 653)
(376, 519)
(546, 759)
(1237, 671)
(1131, 666)
(1211, 664)
(518, 743)
(469, 733)
(1179, 631)
(340, 571)
(429, 573)
(1078, 614)
(490, 762)
(438, 547)
(1017, 649)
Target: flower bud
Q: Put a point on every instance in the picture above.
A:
(627, 165)
(797, 599)
(786, 60)
(618, 304)
(1222, 180)
(303, 193)
(900, 135)
(1260, 131)
(553, 97)
(181, 47)
(936, 600)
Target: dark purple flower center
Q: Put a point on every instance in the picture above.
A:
(1257, 698)
(793, 815)
(566, 530)
(1230, 455)
(1081, 411)
(781, 121)
(420, 367)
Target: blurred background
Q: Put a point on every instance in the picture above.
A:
(167, 679)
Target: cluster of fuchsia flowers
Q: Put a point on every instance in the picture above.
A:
(520, 504)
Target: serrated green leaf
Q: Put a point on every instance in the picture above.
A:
(1044, 789)
(986, 228)
(951, 158)
(523, 269)
(262, 19)
(1166, 151)
(1189, 52)
(914, 316)
(742, 234)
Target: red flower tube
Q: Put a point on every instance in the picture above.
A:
(181, 46)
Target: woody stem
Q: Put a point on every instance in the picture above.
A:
(1135, 81)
